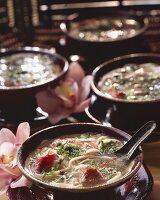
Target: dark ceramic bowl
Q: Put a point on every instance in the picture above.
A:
(18, 102)
(140, 187)
(67, 129)
(106, 49)
(121, 113)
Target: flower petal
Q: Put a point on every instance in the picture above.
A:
(6, 149)
(6, 136)
(12, 170)
(85, 88)
(75, 72)
(5, 175)
(23, 132)
(68, 92)
(81, 107)
(21, 182)
(5, 181)
(4, 185)
(52, 104)
(59, 114)
(48, 101)
(69, 97)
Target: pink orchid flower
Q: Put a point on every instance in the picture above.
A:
(70, 96)
(10, 174)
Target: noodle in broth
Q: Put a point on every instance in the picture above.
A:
(77, 161)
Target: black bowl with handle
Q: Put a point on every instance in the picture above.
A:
(119, 112)
(68, 129)
(17, 102)
(96, 51)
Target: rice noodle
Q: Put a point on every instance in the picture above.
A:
(76, 161)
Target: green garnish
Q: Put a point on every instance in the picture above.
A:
(109, 173)
(68, 150)
(85, 135)
(49, 175)
(108, 147)
(12, 74)
(93, 164)
(104, 171)
(101, 146)
(32, 160)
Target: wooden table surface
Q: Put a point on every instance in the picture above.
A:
(152, 160)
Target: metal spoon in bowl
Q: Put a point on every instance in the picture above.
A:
(129, 148)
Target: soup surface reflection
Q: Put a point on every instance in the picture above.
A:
(132, 82)
(25, 69)
(77, 161)
(104, 29)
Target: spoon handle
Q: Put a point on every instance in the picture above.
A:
(137, 139)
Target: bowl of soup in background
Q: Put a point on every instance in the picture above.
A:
(106, 34)
(130, 85)
(77, 157)
(23, 72)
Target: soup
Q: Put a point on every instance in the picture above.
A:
(26, 69)
(77, 161)
(132, 82)
(104, 29)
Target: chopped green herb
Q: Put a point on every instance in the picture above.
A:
(101, 146)
(93, 164)
(68, 150)
(109, 173)
(85, 135)
(108, 147)
(49, 175)
(104, 171)
(32, 160)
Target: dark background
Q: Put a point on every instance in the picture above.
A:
(36, 22)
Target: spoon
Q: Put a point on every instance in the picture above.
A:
(129, 148)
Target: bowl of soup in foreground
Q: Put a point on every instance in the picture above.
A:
(103, 33)
(130, 85)
(23, 72)
(77, 157)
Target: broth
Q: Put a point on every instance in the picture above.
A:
(77, 161)
(133, 82)
(104, 29)
(26, 69)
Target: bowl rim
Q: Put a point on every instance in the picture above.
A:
(94, 119)
(118, 132)
(144, 22)
(98, 93)
(29, 49)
